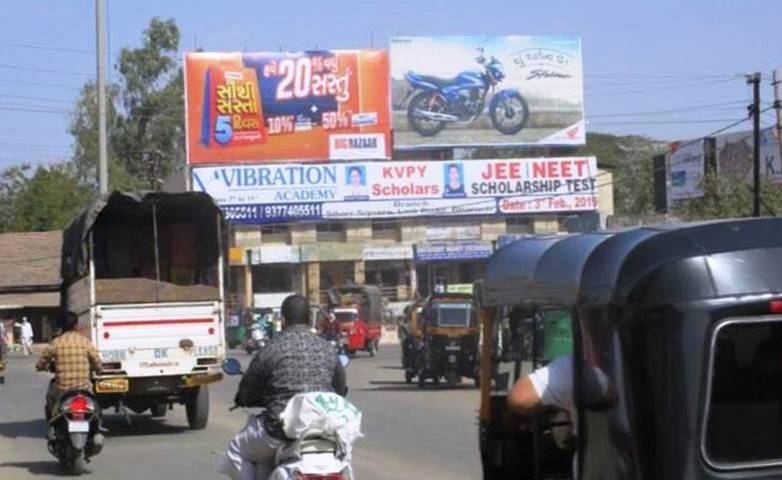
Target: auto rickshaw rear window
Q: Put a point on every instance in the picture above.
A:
(744, 414)
(345, 316)
(453, 314)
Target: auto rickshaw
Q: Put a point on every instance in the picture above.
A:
(2, 361)
(676, 351)
(359, 311)
(450, 337)
(411, 338)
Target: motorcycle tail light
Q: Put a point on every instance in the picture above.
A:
(79, 404)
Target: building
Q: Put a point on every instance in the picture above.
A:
(405, 257)
(30, 283)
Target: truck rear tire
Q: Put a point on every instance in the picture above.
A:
(158, 410)
(197, 407)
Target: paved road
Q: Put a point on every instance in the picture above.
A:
(426, 434)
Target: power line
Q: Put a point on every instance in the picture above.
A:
(45, 48)
(45, 70)
(40, 84)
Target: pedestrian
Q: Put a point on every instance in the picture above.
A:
(26, 336)
(439, 286)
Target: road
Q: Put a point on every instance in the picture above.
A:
(425, 434)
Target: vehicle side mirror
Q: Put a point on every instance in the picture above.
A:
(344, 360)
(231, 366)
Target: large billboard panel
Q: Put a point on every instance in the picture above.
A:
(735, 156)
(260, 107)
(687, 167)
(274, 193)
(483, 90)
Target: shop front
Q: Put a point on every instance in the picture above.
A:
(439, 264)
(392, 269)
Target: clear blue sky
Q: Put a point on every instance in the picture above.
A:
(653, 57)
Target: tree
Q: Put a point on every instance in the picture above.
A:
(48, 200)
(726, 196)
(144, 113)
(12, 180)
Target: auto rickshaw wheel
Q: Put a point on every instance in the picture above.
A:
(436, 380)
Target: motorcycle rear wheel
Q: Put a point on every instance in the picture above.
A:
(509, 113)
(422, 126)
(73, 461)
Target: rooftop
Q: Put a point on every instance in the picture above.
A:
(29, 260)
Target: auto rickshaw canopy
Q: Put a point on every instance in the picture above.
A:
(700, 260)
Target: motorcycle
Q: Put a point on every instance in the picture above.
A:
(311, 456)
(438, 101)
(257, 340)
(74, 430)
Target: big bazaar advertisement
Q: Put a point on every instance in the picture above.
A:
(303, 106)
(302, 191)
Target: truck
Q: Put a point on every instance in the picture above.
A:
(144, 272)
(359, 312)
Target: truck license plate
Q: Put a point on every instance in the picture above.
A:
(78, 427)
(451, 358)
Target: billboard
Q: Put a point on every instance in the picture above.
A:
(687, 167)
(482, 90)
(314, 105)
(735, 155)
(274, 193)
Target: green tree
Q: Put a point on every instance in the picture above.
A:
(145, 116)
(726, 196)
(48, 200)
(12, 180)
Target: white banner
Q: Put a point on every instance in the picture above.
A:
(285, 192)
(388, 253)
(686, 167)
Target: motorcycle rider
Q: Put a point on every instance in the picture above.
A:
(74, 358)
(295, 361)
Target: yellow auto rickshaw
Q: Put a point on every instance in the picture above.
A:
(447, 346)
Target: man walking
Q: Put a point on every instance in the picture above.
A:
(26, 335)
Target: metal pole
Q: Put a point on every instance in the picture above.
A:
(103, 170)
(778, 107)
(754, 79)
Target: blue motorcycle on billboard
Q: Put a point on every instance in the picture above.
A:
(436, 102)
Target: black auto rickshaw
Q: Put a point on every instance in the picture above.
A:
(2, 361)
(411, 338)
(682, 323)
(450, 337)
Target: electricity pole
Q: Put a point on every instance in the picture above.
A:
(754, 109)
(103, 169)
(778, 107)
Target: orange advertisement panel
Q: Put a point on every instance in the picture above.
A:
(264, 107)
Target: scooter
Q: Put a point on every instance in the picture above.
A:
(257, 340)
(74, 430)
(312, 457)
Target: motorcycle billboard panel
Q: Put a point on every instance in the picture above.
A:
(262, 107)
(357, 190)
(483, 90)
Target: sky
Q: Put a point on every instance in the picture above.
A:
(665, 69)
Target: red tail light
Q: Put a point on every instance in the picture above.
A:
(79, 404)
